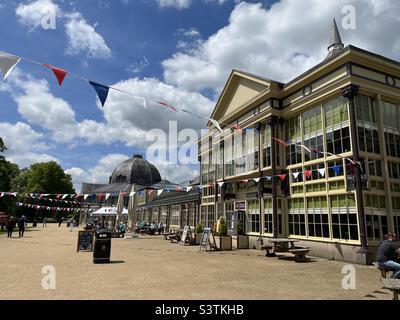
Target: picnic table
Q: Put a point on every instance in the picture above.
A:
(277, 245)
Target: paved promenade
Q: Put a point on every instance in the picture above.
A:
(152, 268)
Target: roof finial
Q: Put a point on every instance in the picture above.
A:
(336, 45)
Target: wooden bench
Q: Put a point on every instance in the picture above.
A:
(393, 285)
(384, 271)
(167, 235)
(300, 254)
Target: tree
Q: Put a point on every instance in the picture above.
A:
(44, 178)
(2, 146)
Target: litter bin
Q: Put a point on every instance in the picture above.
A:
(34, 224)
(102, 247)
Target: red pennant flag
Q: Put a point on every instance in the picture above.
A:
(307, 173)
(280, 141)
(167, 105)
(244, 181)
(282, 177)
(59, 73)
(237, 127)
(100, 196)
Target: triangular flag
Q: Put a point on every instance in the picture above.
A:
(108, 196)
(244, 181)
(282, 177)
(257, 179)
(159, 192)
(188, 189)
(337, 169)
(102, 91)
(216, 124)
(307, 173)
(132, 194)
(322, 172)
(296, 175)
(221, 184)
(64, 196)
(8, 63)
(167, 105)
(237, 127)
(59, 73)
(268, 178)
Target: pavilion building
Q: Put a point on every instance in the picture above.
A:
(323, 161)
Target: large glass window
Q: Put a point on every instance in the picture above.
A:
(376, 216)
(313, 136)
(365, 109)
(253, 216)
(318, 217)
(293, 135)
(344, 217)
(267, 146)
(252, 149)
(229, 162)
(240, 149)
(297, 221)
(268, 216)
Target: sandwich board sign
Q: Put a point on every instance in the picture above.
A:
(186, 232)
(205, 243)
(85, 241)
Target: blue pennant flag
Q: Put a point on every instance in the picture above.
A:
(337, 169)
(102, 91)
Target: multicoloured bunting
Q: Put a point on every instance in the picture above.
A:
(322, 172)
(167, 105)
(307, 173)
(280, 141)
(337, 170)
(282, 177)
(102, 91)
(7, 63)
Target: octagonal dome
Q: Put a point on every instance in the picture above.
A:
(136, 171)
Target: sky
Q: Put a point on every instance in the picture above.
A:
(177, 51)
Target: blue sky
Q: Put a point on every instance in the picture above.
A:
(181, 51)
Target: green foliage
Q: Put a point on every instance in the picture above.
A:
(44, 178)
(8, 171)
(2, 146)
(199, 228)
(223, 228)
(240, 228)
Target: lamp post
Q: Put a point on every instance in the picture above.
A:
(272, 122)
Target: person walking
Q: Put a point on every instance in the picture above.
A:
(60, 221)
(21, 226)
(44, 222)
(10, 227)
(71, 225)
(122, 229)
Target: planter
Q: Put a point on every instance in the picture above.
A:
(197, 238)
(224, 243)
(242, 242)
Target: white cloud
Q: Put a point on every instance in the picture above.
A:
(33, 13)
(25, 145)
(279, 44)
(179, 4)
(83, 38)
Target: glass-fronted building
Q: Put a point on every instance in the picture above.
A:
(316, 159)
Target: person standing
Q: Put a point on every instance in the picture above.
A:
(71, 225)
(122, 229)
(44, 222)
(10, 227)
(60, 221)
(21, 226)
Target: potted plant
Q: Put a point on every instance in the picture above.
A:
(242, 240)
(198, 233)
(224, 242)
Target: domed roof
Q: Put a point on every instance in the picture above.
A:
(135, 171)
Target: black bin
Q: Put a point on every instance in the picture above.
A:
(102, 247)
(34, 224)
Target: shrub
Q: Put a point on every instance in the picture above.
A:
(199, 228)
(240, 229)
(223, 228)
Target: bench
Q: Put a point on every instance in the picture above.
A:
(384, 271)
(175, 237)
(300, 254)
(393, 285)
(269, 250)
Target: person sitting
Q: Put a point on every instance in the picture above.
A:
(153, 228)
(387, 256)
(160, 228)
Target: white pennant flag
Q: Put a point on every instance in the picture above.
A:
(108, 196)
(216, 124)
(221, 184)
(85, 196)
(257, 179)
(188, 189)
(64, 196)
(8, 62)
(296, 175)
(132, 194)
(159, 192)
(322, 172)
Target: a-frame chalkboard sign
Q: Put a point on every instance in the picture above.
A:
(205, 244)
(186, 235)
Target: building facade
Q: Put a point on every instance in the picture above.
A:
(316, 159)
